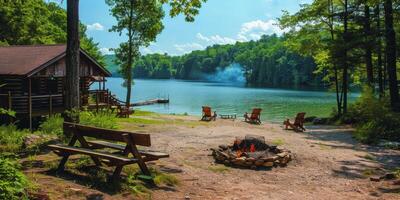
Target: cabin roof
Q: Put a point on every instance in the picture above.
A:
(26, 60)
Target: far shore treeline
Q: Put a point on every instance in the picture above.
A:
(266, 62)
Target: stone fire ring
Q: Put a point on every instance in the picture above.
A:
(264, 156)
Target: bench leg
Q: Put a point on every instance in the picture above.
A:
(117, 173)
(62, 163)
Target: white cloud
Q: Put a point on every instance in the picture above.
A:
(106, 51)
(255, 29)
(216, 39)
(95, 27)
(188, 47)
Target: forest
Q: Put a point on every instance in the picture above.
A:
(266, 62)
(33, 22)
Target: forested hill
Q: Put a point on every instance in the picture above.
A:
(266, 62)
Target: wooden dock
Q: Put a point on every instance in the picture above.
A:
(150, 102)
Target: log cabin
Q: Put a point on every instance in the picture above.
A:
(32, 79)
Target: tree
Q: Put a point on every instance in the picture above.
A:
(141, 20)
(390, 36)
(72, 58)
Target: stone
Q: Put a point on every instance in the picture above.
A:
(250, 159)
(270, 159)
(389, 176)
(268, 164)
(375, 178)
(282, 155)
(259, 162)
(223, 147)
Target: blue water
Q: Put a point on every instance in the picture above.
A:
(188, 97)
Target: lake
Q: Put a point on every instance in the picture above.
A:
(189, 96)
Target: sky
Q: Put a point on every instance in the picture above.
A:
(219, 22)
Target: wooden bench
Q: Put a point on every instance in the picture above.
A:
(107, 139)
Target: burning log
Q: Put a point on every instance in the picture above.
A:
(251, 152)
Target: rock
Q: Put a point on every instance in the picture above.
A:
(268, 164)
(375, 178)
(396, 182)
(389, 176)
(95, 197)
(250, 159)
(270, 159)
(283, 154)
(259, 162)
(223, 147)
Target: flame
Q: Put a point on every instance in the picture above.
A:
(252, 148)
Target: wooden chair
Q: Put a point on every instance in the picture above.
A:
(208, 115)
(298, 124)
(255, 116)
(123, 111)
(107, 139)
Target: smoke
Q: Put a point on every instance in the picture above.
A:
(231, 74)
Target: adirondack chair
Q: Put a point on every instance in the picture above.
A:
(208, 115)
(255, 116)
(298, 124)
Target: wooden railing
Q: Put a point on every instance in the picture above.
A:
(34, 104)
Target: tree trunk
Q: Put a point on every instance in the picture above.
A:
(368, 49)
(335, 69)
(345, 62)
(391, 56)
(72, 56)
(379, 50)
(130, 60)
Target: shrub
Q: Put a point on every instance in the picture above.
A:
(52, 126)
(12, 181)
(373, 118)
(11, 138)
(101, 119)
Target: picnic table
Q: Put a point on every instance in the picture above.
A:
(124, 142)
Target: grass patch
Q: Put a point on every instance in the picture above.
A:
(278, 142)
(11, 138)
(218, 168)
(369, 157)
(368, 172)
(145, 113)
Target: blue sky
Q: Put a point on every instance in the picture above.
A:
(219, 22)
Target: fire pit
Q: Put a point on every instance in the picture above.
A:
(251, 152)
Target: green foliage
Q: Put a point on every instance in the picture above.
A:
(266, 62)
(12, 181)
(373, 119)
(11, 138)
(10, 113)
(101, 119)
(52, 126)
(37, 22)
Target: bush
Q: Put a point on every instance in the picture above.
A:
(373, 119)
(12, 181)
(11, 138)
(101, 119)
(52, 126)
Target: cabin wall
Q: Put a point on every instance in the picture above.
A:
(58, 69)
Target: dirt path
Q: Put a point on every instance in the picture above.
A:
(328, 164)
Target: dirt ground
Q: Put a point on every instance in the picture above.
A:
(328, 164)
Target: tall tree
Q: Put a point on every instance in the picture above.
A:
(141, 21)
(72, 56)
(390, 36)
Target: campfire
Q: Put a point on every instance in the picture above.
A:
(251, 152)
